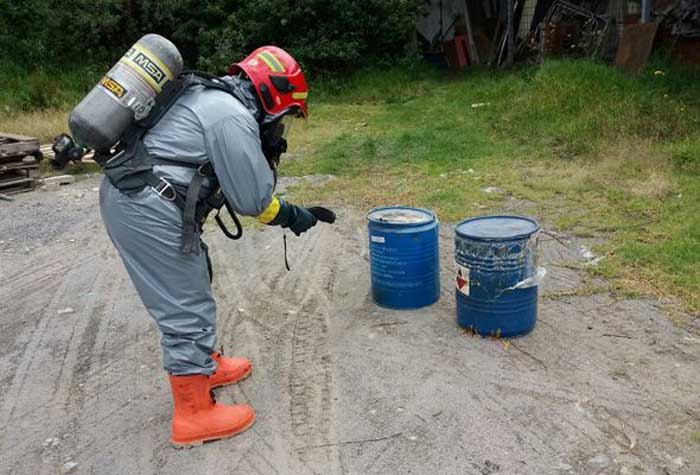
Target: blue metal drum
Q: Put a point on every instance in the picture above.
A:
(496, 277)
(404, 257)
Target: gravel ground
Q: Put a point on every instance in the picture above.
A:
(602, 386)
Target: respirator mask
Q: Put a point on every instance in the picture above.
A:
(273, 137)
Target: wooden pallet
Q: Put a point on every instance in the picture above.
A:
(13, 147)
(19, 163)
(17, 181)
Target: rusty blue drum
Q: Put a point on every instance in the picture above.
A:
(496, 288)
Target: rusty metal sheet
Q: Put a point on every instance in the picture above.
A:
(635, 47)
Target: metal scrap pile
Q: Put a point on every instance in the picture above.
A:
(683, 19)
(501, 32)
(568, 28)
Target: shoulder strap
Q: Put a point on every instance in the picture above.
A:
(174, 89)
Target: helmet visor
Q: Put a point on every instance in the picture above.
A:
(288, 122)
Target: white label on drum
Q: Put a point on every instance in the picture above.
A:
(379, 239)
(462, 281)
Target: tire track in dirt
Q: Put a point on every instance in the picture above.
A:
(45, 355)
(286, 313)
(24, 365)
(311, 384)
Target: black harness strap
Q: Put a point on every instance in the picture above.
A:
(222, 226)
(189, 225)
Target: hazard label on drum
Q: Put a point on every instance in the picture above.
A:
(462, 282)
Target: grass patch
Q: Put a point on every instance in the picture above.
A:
(43, 124)
(37, 102)
(581, 146)
(695, 436)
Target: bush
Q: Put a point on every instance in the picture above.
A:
(43, 90)
(324, 36)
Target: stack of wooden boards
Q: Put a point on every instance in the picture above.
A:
(19, 163)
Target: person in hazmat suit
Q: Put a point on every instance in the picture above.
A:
(206, 134)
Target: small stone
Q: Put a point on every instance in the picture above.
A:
(96, 189)
(600, 461)
(491, 189)
(241, 310)
(60, 180)
(65, 311)
(412, 438)
(50, 187)
(399, 409)
(292, 312)
(373, 411)
(71, 240)
(586, 253)
(69, 467)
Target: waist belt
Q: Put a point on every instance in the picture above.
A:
(194, 210)
(131, 170)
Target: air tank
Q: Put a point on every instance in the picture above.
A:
(126, 93)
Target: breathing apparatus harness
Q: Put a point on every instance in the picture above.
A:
(129, 167)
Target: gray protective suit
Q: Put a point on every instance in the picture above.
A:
(203, 125)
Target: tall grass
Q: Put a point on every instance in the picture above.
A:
(588, 149)
(29, 90)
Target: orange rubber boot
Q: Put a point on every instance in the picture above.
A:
(198, 418)
(229, 370)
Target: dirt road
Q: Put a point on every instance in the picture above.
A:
(340, 386)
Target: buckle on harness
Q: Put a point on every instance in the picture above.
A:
(162, 189)
(205, 170)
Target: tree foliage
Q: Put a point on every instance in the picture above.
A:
(324, 35)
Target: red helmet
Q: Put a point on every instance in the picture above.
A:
(277, 77)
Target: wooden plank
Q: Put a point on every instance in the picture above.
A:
(17, 159)
(473, 51)
(20, 187)
(15, 181)
(18, 145)
(17, 137)
(18, 166)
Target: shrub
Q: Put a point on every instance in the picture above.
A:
(324, 35)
